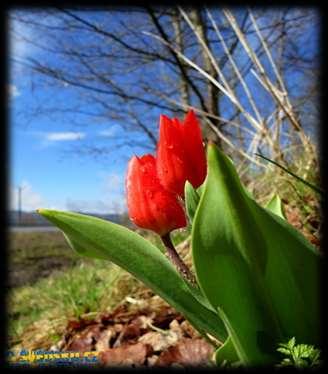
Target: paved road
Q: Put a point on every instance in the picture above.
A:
(32, 228)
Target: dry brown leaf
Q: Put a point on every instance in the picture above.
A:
(293, 216)
(315, 241)
(85, 340)
(118, 327)
(188, 330)
(78, 324)
(128, 332)
(164, 317)
(188, 352)
(127, 355)
(151, 360)
(158, 340)
(144, 321)
(176, 328)
(103, 342)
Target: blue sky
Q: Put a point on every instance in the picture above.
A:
(42, 156)
(53, 176)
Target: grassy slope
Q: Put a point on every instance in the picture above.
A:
(43, 297)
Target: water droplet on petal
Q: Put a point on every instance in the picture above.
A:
(150, 194)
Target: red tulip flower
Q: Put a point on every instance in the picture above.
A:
(180, 153)
(150, 205)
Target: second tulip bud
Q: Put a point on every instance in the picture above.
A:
(180, 153)
(150, 205)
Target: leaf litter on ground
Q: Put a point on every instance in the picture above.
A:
(134, 336)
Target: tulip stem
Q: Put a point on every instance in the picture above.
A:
(174, 257)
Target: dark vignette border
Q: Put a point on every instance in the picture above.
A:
(5, 137)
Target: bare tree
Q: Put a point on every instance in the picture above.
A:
(127, 64)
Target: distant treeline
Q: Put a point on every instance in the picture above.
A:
(35, 219)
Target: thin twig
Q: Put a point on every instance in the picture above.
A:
(235, 148)
(315, 188)
(235, 67)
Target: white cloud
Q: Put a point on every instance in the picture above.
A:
(94, 206)
(24, 36)
(13, 91)
(47, 139)
(113, 190)
(30, 199)
(113, 183)
(19, 32)
(107, 133)
(110, 132)
(20, 47)
(112, 198)
(64, 136)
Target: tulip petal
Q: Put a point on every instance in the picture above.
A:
(138, 210)
(194, 149)
(171, 166)
(150, 206)
(180, 153)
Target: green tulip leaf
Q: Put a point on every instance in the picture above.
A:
(200, 189)
(191, 200)
(251, 265)
(97, 238)
(226, 354)
(275, 206)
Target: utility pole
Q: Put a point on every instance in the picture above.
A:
(20, 188)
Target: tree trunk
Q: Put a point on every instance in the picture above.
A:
(212, 101)
(176, 22)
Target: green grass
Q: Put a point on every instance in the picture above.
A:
(84, 290)
(301, 202)
(29, 245)
(41, 303)
(35, 255)
(38, 311)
